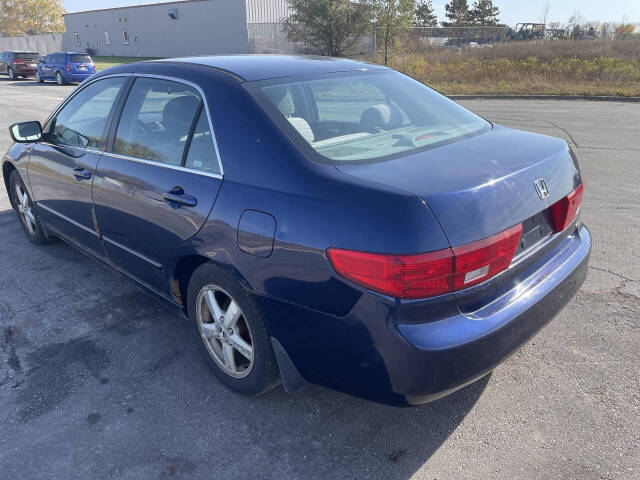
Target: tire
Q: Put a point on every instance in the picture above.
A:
(38, 77)
(260, 374)
(12, 75)
(59, 79)
(22, 204)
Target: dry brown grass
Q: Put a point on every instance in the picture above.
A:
(563, 67)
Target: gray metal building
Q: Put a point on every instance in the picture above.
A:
(193, 27)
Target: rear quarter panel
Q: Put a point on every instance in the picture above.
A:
(315, 207)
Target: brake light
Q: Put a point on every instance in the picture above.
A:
(402, 276)
(565, 211)
(68, 67)
(428, 274)
(17, 60)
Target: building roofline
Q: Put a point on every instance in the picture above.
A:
(135, 6)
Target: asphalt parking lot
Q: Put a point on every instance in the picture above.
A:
(97, 380)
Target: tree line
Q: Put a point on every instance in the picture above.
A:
(332, 27)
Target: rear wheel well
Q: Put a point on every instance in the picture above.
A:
(179, 282)
(7, 168)
(182, 274)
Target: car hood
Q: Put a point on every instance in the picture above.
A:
(482, 185)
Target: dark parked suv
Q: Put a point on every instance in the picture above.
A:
(19, 64)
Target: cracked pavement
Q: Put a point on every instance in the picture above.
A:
(97, 380)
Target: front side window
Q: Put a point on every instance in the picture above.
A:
(156, 120)
(361, 117)
(76, 37)
(82, 121)
(125, 37)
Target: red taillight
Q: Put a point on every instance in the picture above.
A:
(478, 261)
(428, 274)
(17, 60)
(565, 211)
(402, 276)
(68, 67)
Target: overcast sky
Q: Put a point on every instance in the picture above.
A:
(511, 11)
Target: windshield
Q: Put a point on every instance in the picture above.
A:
(359, 117)
(79, 59)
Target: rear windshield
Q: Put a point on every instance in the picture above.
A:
(364, 116)
(79, 58)
(27, 56)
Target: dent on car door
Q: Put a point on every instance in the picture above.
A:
(62, 166)
(157, 183)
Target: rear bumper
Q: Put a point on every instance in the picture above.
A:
(23, 69)
(409, 353)
(77, 77)
(466, 347)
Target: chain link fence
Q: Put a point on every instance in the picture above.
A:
(415, 39)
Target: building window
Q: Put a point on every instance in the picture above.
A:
(76, 37)
(125, 37)
(107, 38)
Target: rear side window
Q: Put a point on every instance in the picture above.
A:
(156, 120)
(82, 122)
(79, 58)
(202, 152)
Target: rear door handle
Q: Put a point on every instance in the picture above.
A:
(177, 196)
(81, 173)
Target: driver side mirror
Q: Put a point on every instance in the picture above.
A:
(26, 132)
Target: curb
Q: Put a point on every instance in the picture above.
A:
(545, 97)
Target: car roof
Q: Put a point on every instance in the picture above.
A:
(261, 67)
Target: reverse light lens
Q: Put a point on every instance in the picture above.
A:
(428, 274)
(478, 261)
(565, 211)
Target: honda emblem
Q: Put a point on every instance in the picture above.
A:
(541, 188)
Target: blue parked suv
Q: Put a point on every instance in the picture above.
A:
(65, 67)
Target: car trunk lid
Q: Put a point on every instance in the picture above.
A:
(482, 185)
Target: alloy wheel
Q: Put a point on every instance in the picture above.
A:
(224, 331)
(12, 75)
(59, 78)
(24, 209)
(38, 79)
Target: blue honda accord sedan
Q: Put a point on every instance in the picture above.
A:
(317, 220)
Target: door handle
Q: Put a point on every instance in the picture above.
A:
(81, 173)
(177, 196)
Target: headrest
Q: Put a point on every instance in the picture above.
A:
(180, 110)
(303, 128)
(381, 116)
(282, 99)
